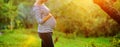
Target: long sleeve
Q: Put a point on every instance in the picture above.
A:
(38, 14)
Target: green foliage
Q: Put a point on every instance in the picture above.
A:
(7, 14)
(15, 14)
(25, 16)
(116, 41)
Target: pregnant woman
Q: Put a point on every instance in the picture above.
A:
(46, 22)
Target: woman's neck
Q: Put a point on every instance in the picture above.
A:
(38, 3)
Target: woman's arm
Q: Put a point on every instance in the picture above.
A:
(46, 18)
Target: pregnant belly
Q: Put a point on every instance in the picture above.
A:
(50, 22)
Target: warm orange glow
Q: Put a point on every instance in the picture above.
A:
(86, 6)
(83, 2)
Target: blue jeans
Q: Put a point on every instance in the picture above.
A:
(46, 39)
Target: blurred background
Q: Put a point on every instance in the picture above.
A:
(80, 23)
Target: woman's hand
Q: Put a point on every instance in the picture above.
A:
(47, 17)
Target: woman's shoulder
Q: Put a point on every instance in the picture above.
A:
(36, 8)
(42, 8)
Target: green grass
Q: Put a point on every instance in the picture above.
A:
(29, 38)
(83, 42)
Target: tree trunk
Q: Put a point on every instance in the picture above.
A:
(107, 6)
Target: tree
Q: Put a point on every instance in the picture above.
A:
(107, 6)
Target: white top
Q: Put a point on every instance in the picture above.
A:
(40, 12)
